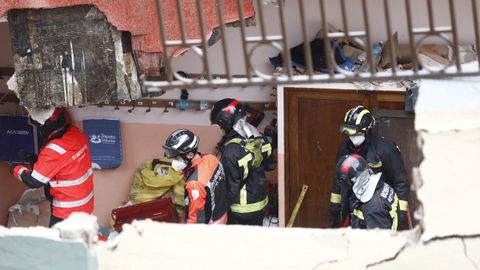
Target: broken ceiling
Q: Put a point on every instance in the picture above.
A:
(79, 52)
(69, 56)
(139, 17)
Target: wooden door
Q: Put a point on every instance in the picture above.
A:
(312, 137)
(398, 126)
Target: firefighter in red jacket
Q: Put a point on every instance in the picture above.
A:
(63, 165)
(205, 187)
(246, 155)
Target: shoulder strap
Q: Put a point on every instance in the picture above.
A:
(237, 141)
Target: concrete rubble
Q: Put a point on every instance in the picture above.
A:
(43, 248)
(69, 56)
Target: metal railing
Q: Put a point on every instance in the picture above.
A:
(333, 73)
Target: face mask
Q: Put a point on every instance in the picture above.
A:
(357, 140)
(178, 165)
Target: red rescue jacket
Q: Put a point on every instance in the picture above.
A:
(64, 164)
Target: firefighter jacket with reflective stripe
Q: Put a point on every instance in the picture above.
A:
(245, 163)
(383, 156)
(65, 165)
(381, 211)
(206, 191)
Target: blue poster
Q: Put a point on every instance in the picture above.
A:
(16, 134)
(105, 142)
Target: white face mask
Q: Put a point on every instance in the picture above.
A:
(178, 165)
(357, 140)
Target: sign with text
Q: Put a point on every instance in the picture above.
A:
(105, 142)
(15, 135)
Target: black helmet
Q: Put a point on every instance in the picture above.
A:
(349, 167)
(180, 143)
(356, 120)
(226, 113)
(55, 126)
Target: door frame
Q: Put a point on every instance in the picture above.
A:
(375, 99)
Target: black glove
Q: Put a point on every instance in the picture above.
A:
(27, 157)
(46, 190)
(402, 221)
(335, 217)
(155, 162)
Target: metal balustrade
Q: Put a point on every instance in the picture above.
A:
(253, 76)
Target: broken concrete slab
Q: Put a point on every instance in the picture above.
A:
(369, 247)
(449, 128)
(472, 250)
(267, 248)
(440, 254)
(449, 173)
(444, 105)
(42, 248)
(70, 56)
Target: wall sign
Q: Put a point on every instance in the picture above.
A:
(105, 142)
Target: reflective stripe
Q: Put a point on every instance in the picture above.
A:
(376, 165)
(403, 205)
(267, 148)
(39, 177)
(359, 117)
(249, 208)
(21, 171)
(56, 148)
(194, 142)
(244, 163)
(73, 203)
(358, 213)
(394, 214)
(335, 198)
(243, 195)
(346, 115)
(234, 140)
(69, 183)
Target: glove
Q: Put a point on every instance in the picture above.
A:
(402, 221)
(16, 169)
(335, 217)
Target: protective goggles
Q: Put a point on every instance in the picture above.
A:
(170, 152)
(349, 130)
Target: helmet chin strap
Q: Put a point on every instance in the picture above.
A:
(188, 160)
(244, 129)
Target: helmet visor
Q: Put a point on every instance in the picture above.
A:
(170, 152)
(348, 130)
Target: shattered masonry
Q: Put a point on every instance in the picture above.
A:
(70, 56)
